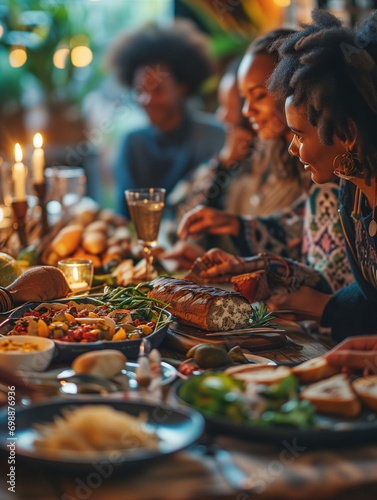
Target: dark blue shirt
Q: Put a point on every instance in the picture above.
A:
(150, 158)
(353, 310)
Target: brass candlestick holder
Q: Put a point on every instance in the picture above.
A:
(20, 209)
(40, 189)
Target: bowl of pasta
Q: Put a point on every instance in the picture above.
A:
(21, 352)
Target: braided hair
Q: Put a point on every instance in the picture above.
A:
(331, 71)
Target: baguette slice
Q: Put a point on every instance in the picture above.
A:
(314, 369)
(204, 307)
(105, 363)
(366, 389)
(333, 395)
(265, 375)
(246, 368)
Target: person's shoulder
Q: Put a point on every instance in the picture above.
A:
(138, 133)
(207, 121)
(134, 138)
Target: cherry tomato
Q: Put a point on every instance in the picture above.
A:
(67, 339)
(78, 334)
(91, 337)
(187, 367)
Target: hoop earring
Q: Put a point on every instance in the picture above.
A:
(347, 165)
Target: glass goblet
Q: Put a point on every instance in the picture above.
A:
(146, 206)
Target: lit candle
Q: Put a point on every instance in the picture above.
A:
(19, 175)
(38, 159)
(76, 285)
(78, 273)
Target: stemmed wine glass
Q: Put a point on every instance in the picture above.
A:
(146, 206)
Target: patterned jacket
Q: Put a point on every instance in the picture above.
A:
(309, 231)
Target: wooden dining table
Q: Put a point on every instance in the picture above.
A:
(280, 470)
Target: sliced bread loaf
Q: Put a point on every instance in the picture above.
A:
(334, 396)
(204, 307)
(366, 389)
(314, 369)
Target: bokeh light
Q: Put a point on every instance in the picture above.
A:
(81, 56)
(60, 58)
(17, 57)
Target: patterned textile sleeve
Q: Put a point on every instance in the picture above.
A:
(323, 247)
(280, 234)
(309, 232)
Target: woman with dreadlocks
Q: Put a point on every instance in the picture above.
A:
(328, 78)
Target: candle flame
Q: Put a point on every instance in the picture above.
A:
(75, 274)
(38, 141)
(1, 214)
(18, 153)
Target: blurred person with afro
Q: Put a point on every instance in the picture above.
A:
(164, 67)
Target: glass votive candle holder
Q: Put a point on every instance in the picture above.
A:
(78, 273)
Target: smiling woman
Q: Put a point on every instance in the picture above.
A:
(328, 79)
(317, 158)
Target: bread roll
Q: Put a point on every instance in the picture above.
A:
(39, 283)
(334, 396)
(94, 242)
(99, 226)
(122, 233)
(107, 215)
(366, 389)
(314, 369)
(67, 240)
(113, 252)
(204, 307)
(106, 363)
(81, 254)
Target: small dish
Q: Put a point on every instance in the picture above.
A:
(37, 360)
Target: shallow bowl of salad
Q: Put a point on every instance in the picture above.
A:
(86, 324)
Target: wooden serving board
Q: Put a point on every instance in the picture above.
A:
(183, 337)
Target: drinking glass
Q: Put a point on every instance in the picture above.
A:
(146, 206)
(65, 185)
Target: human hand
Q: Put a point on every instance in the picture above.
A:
(305, 303)
(357, 353)
(39, 284)
(184, 253)
(217, 265)
(208, 220)
(237, 145)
